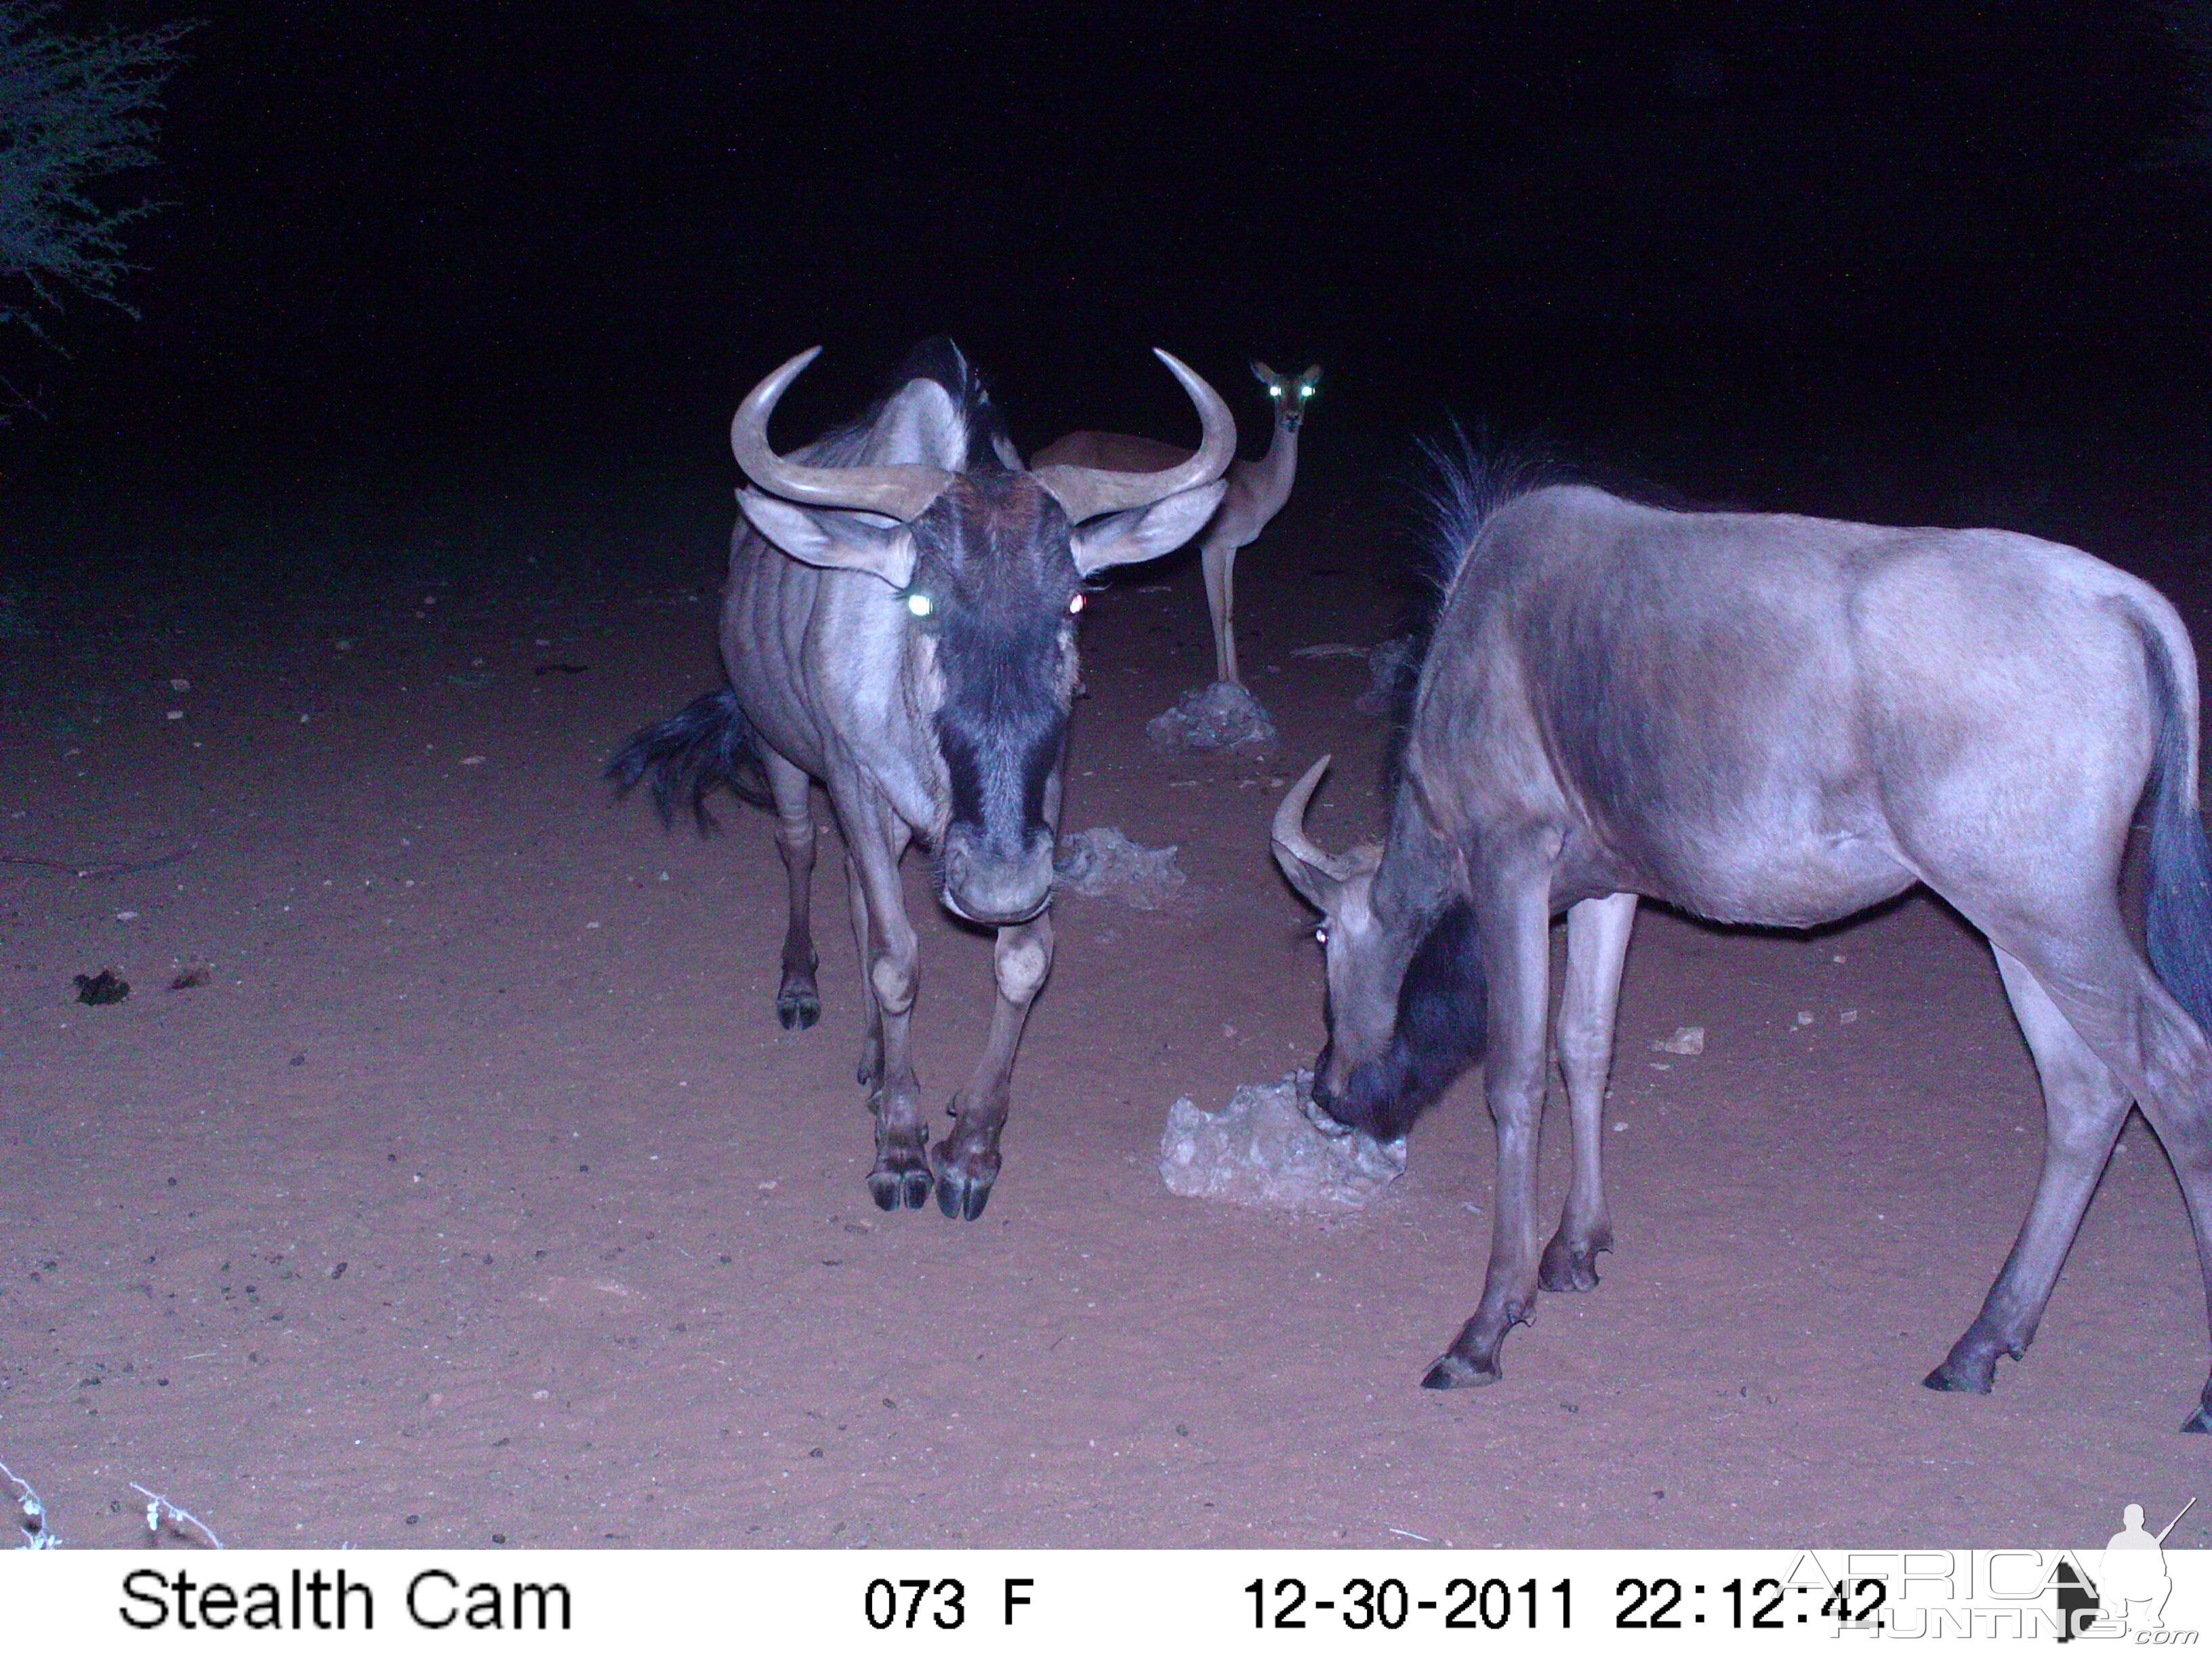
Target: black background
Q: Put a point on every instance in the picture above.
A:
(1711, 241)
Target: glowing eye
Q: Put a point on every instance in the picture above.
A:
(1274, 391)
(1305, 392)
(1075, 606)
(920, 604)
(1320, 934)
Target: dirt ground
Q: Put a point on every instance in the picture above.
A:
(475, 1198)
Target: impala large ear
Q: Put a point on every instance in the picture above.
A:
(1311, 379)
(835, 538)
(1263, 374)
(1145, 533)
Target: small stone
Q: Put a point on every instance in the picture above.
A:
(1687, 1039)
(1804, 1017)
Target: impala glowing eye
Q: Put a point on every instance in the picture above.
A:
(1320, 934)
(920, 604)
(1075, 606)
(1305, 392)
(1274, 391)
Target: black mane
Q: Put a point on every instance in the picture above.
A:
(934, 358)
(1463, 483)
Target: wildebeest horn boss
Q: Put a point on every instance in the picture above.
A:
(899, 625)
(1774, 720)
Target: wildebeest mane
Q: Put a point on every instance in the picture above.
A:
(1464, 479)
(934, 358)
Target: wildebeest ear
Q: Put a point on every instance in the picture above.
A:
(1316, 885)
(1145, 533)
(832, 537)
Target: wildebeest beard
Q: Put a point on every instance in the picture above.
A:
(1439, 1032)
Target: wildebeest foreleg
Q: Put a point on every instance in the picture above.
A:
(1516, 921)
(1597, 945)
(966, 1162)
(870, 1070)
(2084, 1107)
(797, 1002)
(875, 838)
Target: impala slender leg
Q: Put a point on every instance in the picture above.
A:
(1516, 920)
(1218, 559)
(797, 1000)
(875, 838)
(1597, 946)
(966, 1162)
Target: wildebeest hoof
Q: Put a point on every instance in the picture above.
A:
(963, 1182)
(796, 1008)
(894, 1182)
(1566, 1268)
(1456, 1371)
(1968, 1374)
(962, 1200)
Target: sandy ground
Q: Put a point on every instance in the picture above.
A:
(475, 1197)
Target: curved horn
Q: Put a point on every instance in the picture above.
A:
(1085, 492)
(900, 491)
(1289, 829)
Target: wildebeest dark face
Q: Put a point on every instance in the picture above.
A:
(987, 578)
(1406, 989)
(985, 562)
(996, 587)
(992, 604)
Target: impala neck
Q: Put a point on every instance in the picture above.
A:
(1272, 473)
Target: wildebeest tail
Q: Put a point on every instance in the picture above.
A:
(708, 742)
(2178, 897)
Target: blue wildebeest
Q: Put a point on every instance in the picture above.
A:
(1779, 721)
(899, 624)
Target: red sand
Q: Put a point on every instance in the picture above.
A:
(477, 1198)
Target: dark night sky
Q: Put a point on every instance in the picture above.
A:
(589, 228)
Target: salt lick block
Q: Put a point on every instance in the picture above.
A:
(1210, 719)
(1263, 1149)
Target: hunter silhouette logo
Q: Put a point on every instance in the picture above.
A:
(2128, 1595)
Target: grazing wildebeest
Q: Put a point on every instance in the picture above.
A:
(1780, 721)
(1257, 490)
(899, 624)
